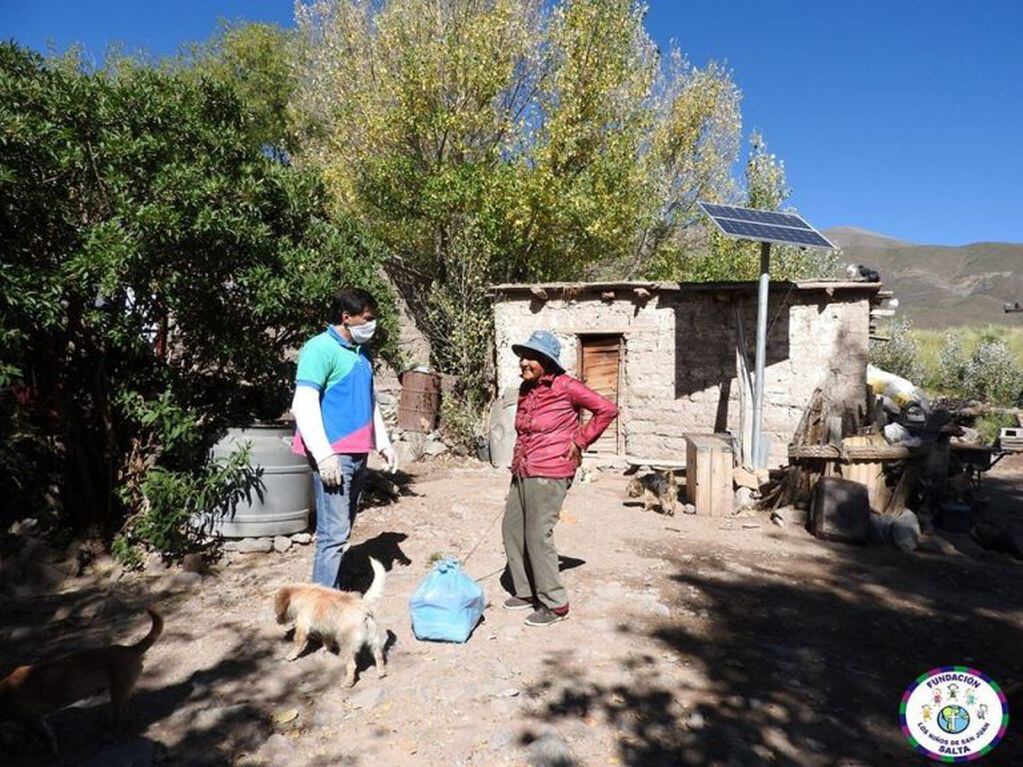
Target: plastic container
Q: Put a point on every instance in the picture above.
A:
(280, 506)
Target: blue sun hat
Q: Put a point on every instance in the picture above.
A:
(545, 343)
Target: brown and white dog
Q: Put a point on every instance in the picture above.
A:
(29, 693)
(342, 620)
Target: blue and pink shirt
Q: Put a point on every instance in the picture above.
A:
(343, 375)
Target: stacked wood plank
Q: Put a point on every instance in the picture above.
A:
(709, 464)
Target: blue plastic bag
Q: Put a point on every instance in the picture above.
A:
(447, 605)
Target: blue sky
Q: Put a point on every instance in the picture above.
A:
(900, 116)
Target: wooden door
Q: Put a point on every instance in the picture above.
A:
(600, 369)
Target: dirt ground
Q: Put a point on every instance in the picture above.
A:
(691, 641)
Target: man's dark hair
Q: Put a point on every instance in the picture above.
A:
(351, 300)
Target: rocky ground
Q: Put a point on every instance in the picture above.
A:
(692, 640)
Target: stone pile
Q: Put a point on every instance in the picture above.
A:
(279, 544)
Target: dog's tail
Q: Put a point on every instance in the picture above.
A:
(154, 632)
(282, 603)
(376, 588)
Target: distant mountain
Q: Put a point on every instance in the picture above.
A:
(941, 286)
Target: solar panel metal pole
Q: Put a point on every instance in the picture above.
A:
(765, 227)
(757, 460)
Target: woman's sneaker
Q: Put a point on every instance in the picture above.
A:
(545, 616)
(514, 603)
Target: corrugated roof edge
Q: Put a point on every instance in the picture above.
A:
(578, 287)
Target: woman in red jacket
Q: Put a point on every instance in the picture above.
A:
(548, 449)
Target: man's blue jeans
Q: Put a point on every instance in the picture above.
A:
(335, 512)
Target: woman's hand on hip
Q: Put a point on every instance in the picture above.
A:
(574, 454)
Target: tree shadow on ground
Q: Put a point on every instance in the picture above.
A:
(804, 663)
(998, 523)
(211, 717)
(37, 625)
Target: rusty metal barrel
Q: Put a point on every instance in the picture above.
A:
(420, 400)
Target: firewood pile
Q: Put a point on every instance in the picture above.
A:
(873, 489)
(823, 446)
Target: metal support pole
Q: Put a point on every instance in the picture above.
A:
(758, 460)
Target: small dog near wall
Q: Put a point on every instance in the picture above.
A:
(29, 693)
(657, 489)
(342, 620)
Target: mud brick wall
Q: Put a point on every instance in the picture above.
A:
(681, 349)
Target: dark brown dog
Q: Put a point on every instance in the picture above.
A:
(29, 693)
(656, 489)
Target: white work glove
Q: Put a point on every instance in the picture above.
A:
(330, 471)
(390, 457)
(383, 441)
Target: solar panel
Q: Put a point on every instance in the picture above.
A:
(755, 216)
(765, 226)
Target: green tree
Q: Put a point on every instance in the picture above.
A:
(993, 374)
(559, 130)
(553, 136)
(157, 264)
(257, 62)
(951, 364)
(900, 354)
(707, 254)
(766, 185)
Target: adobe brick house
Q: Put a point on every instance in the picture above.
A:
(672, 354)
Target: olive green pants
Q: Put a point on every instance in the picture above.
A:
(530, 514)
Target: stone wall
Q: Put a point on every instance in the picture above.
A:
(682, 354)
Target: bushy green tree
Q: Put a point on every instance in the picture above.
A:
(994, 375)
(257, 62)
(556, 130)
(460, 320)
(952, 360)
(157, 265)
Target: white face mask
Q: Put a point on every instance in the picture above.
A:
(361, 334)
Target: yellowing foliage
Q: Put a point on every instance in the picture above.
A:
(561, 133)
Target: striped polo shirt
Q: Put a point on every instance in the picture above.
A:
(343, 375)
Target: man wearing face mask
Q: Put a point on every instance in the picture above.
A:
(339, 424)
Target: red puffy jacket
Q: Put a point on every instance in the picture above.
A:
(547, 423)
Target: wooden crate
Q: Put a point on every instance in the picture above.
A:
(709, 475)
